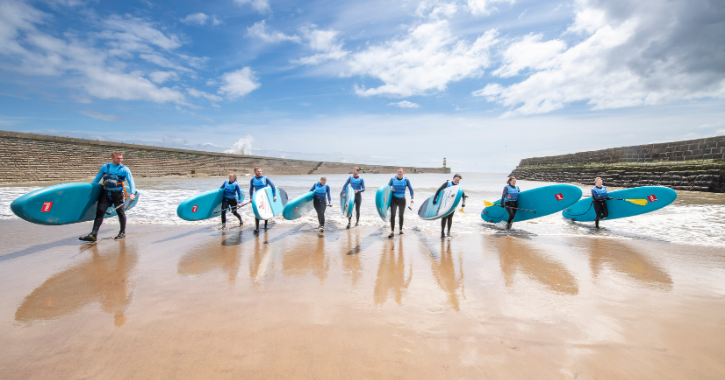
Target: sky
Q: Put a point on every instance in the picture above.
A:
(484, 83)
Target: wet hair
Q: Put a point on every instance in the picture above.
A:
(509, 180)
(323, 179)
(597, 179)
(257, 168)
(116, 153)
(457, 175)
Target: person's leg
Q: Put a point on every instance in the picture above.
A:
(393, 209)
(233, 203)
(319, 207)
(450, 223)
(358, 203)
(104, 202)
(225, 204)
(256, 224)
(605, 210)
(443, 227)
(510, 208)
(402, 213)
(598, 210)
(118, 201)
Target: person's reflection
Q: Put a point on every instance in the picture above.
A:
(623, 259)
(209, 257)
(304, 260)
(351, 263)
(444, 271)
(515, 255)
(103, 277)
(258, 263)
(391, 274)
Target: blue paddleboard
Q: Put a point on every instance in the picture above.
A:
(347, 201)
(202, 206)
(448, 200)
(382, 201)
(657, 197)
(299, 207)
(544, 200)
(65, 203)
(264, 205)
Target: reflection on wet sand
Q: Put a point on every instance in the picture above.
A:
(391, 277)
(623, 259)
(104, 277)
(209, 257)
(517, 255)
(351, 265)
(444, 271)
(307, 258)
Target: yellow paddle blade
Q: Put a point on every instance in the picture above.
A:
(461, 210)
(487, 203)
(638, 202)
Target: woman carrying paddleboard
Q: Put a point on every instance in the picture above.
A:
(599, 200)
(358, 184)
(114, 175)
(509, 200)
(320, 189)
(232, 198)
(448, 219)
(399, 183)
(259, 182)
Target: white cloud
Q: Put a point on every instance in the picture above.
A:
(426, 59)
(261, 6)
(405, 104)
(324, 41)
(132, 32)
(162, 61)
(436, 9)
(201, 94)
(484, 7)
(238, 83)
(528, 52)
(102, 116)
(162, 76)
(242, 146)
(258, 30)
(196, 18)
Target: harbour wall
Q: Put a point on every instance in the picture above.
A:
(697, 165)
(29, 157)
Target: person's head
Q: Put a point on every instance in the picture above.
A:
(257, 172)
(323, 180)
(355, 171)
(232, 177)
(598, 182)
(457, 178)
(116, 158)
(512, 181)
(401, 173)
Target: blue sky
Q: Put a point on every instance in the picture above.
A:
(484, 83)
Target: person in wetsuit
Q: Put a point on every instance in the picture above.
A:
(448, 219)
(510, 200)
(358, 184)
(399, 183)
(259, 182)
(321, 189)
(114, 174)
(599, 200)
(232, 198)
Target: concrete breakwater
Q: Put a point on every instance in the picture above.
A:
(27, 157)
(697, 165)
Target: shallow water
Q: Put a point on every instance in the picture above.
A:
(694, 218)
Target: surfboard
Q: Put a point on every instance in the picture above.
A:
(448, 200)
(347, 203)
(382, 201)
(202, 206)
(299, 207)
(65, 203)
(544, 200)
(264, 205)
(657, 197)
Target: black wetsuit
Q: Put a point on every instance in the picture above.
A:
(320, 202)
(396, 203)
(106, 200)
(233, 203)
(511, 206)
(448, 219)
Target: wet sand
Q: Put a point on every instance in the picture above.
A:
(195, 302)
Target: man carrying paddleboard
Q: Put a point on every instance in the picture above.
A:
(114, 175)
(599, 199)
(399, 183)
(320, 189)
(510, 200)
(232, 198)
(448, 219)
(358, 184)
(259, 182)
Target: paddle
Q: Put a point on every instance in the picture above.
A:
(122, 204)
(489, 204)
(230, 207)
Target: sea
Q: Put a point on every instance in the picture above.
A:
(694, 218)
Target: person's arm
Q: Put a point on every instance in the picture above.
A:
(362, 185)
(391, 182)
(312, 188)
(239, 192)
(274, 191)
(463, 197)
(503, 196)
(131, 183)
(346, 183)
(98, 176)
(595, 195)
(329, 198)
(251, 188)
(435, 197)
(222, 186)
(410, 187)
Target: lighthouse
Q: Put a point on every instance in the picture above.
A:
(444, 162)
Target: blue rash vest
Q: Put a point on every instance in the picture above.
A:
(510, 194)
(599, 194)
(357, 184)
(399, 186)
(114, 176)
(259, 184)
(321, 190)
(232, 190)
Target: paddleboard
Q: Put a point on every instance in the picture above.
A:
(264, 205)
(544, 200)
(65, 203)
(202, 206)
(347, 203)
(448, 200)
(657, 197)
(382, 201)
(299, 207)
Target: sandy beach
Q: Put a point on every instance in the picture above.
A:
(197, 302)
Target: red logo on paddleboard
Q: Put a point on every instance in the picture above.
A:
(651, 198)
(559, 197)
(46, 206)
(261, 206)
(193, 209)
(296, 208)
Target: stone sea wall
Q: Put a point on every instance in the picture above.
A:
(26, 157)
(697, 165)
